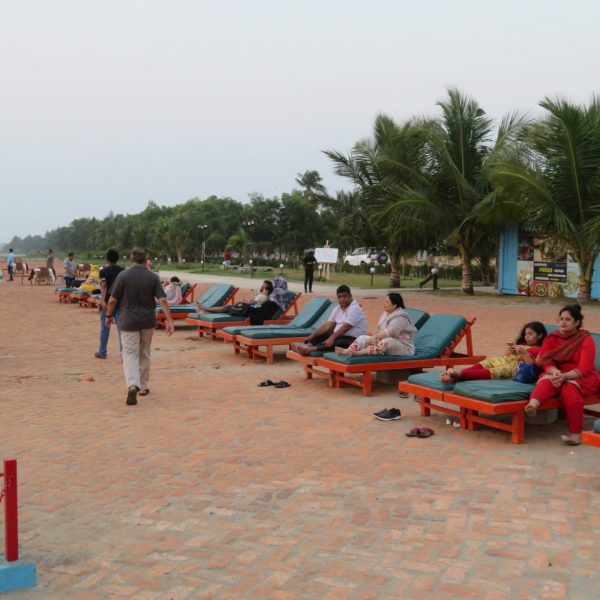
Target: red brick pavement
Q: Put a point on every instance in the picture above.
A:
(214, 488)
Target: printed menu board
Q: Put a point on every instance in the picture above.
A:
(544, 268)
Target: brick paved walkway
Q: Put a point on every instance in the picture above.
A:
(214, 488)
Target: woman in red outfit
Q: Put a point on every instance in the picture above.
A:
(567, 359)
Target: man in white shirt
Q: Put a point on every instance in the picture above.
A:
(346, 323)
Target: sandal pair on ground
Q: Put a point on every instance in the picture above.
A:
(422, 432)
(277, 384)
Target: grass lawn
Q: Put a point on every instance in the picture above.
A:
(358, 280)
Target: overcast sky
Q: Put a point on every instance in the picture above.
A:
(106, 104)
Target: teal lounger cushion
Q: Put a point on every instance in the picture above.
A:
(495, 391)
(431, 340)
(431, 380)
(596, 337)
(312, 316)
(214, 318)
(215, 295)
(184, 288)
(417, 317)
(79, 292)
(284, 332)
(64, 289)
(178, 309)
(223, 318)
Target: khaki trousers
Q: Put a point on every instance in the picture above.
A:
(136, 357)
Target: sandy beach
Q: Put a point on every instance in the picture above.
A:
(215, 488)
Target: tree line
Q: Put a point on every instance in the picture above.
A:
(448, 184)
(280, 225)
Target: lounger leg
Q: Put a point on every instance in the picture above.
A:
(333, 380)
(518, 427)
(269, 354)
(307, 372)
(471, 426)
(425, 410)
(367, 384)
(463, 418)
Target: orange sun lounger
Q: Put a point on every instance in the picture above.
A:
(209, 324)
(435, 346)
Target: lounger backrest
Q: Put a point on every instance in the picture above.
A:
(184, 288)
(310, 313)
(217, 296)
(324, 317)
(279, 312)
(436, 334)
(417, 317)
(596, 337)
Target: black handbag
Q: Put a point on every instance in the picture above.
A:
(239, 310)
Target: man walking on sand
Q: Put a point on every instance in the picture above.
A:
(135, 290)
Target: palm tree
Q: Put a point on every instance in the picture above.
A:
(552, 180)
(423, 180)
(387, 170)
(310, 181)
(461, 150)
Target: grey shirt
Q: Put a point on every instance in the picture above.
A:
(136, 289)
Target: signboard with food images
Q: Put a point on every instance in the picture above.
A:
(533, 264)
(544, 268)
(549, 268)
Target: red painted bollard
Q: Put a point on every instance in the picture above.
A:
(11, 518)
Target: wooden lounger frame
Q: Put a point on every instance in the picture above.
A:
(253, 346)
(471, 411)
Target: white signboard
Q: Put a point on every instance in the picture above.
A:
(326, 255)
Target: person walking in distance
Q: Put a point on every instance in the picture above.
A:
(310, 262)
(135, 290)
(10, 264)
(108, 275)
(433, 273)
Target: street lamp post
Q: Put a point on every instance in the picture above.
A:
(249, 225)
(203, 229)
(372, 269)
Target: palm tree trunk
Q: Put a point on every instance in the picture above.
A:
(585, 280)
(467, 273)
(395, 273)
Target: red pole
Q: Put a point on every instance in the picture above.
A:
(11, 518)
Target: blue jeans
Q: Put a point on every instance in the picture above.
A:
(105, 331)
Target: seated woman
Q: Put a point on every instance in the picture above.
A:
(173, 291)
(241, 308)
(92, 283)
(567, 359)
(524, 350)
(394, 335)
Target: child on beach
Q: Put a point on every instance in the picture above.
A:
(524, 350)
